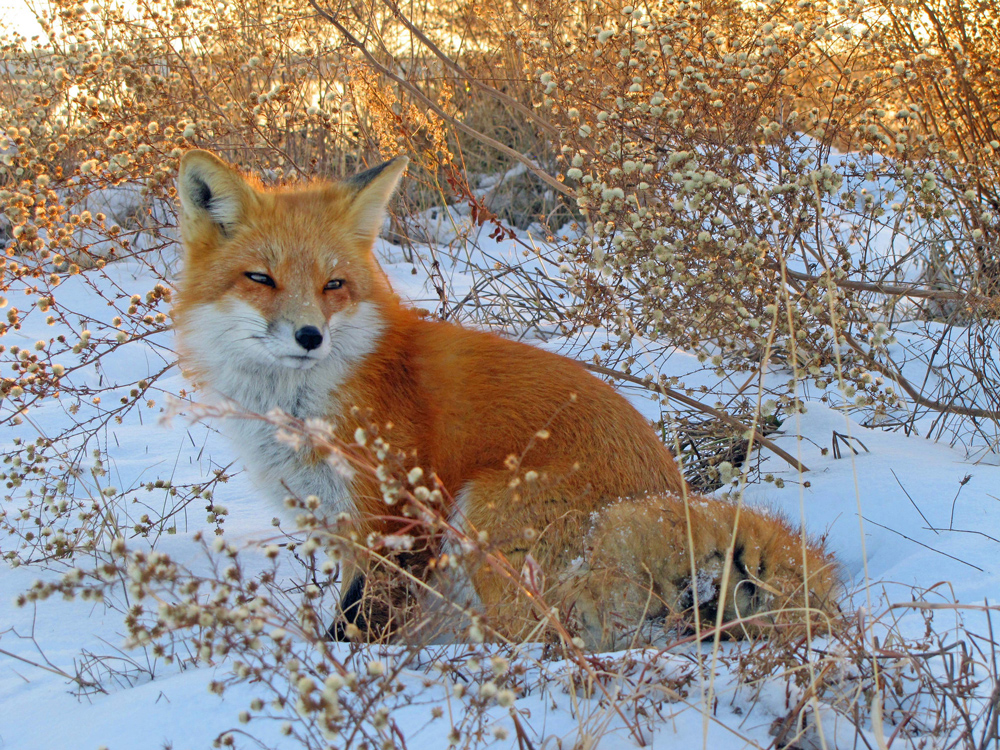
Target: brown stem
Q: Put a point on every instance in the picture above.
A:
(472, 80)
(887, 289)
(433, 106)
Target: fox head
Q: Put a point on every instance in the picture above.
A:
(279, 278)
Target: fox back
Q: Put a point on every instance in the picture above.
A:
(283, 305)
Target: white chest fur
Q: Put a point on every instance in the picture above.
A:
(229, 344)
(277, 468)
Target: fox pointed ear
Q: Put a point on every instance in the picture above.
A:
(373, 189)
(213, 195)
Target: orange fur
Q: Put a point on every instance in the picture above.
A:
(463, 402)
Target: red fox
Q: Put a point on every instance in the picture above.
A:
(283, 305)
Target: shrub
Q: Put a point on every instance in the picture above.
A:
(805, 193)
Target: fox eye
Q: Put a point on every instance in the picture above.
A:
(260, 278)
(334, 284)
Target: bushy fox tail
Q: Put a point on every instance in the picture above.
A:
(636, 580)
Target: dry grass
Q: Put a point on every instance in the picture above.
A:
(672, 163)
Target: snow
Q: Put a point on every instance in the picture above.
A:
(899, 514)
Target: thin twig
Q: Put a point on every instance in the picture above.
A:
(941, 605)
(54, 670)
(925, 546)
(961, 484)
(929, 524)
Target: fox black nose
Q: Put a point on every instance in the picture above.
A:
(309, 337)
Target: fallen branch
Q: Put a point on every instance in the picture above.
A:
(54, 670)
(704, 408)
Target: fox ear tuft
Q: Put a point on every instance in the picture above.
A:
(212, 194)
(373, 189)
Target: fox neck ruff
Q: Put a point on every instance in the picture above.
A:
(229, 347)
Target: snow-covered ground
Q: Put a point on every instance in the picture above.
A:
(900, 515)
